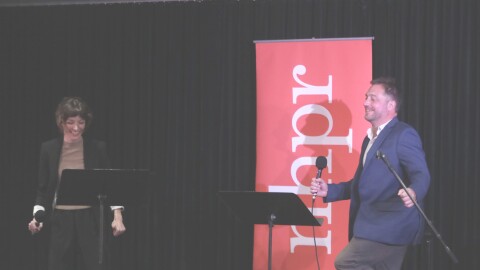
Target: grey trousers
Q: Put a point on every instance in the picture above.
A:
(361, 254)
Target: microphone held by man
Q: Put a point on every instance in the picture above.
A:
(317, 187)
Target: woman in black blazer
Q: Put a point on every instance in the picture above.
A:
(74, 229)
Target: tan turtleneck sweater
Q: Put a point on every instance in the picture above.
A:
(71, 158)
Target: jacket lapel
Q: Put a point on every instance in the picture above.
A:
(378, 142)
(55, 157)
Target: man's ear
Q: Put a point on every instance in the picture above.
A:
(392, 104)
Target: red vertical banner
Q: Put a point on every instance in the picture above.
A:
(310, 97)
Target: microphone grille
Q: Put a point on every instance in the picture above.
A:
(321, 162)
(40, 216)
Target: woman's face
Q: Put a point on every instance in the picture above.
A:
(73, 128)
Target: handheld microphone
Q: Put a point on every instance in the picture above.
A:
(39, 216)
(321, 163)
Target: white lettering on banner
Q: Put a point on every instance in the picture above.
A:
(308, 241)
(308, 89)
(323, 139)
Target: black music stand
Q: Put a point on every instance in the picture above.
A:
(102, 187)
(272, 208)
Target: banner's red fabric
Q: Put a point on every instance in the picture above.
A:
(309, 103)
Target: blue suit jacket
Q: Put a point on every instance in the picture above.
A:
(376, 212)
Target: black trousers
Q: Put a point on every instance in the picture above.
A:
(74, 241)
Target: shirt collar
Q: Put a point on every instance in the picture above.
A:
(380, 128)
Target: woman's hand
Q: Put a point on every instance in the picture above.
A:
(34, 227)
(118, 227)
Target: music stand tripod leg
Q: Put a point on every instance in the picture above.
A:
(270, 228)
(101, 199)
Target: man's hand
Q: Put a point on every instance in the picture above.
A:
(405, 198)
(319, 187)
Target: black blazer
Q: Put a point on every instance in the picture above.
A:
(94, 155)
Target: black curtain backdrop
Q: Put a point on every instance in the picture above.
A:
(172, 85)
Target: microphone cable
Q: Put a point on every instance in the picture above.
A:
(320, 163)
(315, 238)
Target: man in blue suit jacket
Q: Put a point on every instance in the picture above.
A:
(382, 221)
